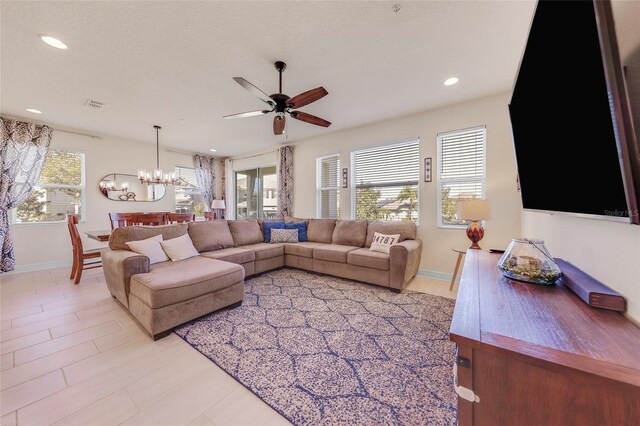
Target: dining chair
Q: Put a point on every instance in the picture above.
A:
(119, 220)
(181, 217)
(79, 254)
(152, 219)
(209, 216)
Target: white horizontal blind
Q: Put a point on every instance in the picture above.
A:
(60, 189)
(385, 182)
(328, 186)
(462, 166)
(189, 199)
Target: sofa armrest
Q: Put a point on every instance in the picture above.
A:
(404, 259)
(119, 266)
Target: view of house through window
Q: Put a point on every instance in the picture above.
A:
(189, 199)
(328, 186)
(461, 165)
(60, 189)
(385, 182)
(257, 193)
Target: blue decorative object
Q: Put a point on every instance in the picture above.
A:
(268, 226)
(302, 230)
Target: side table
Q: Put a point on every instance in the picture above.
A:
(461, 253)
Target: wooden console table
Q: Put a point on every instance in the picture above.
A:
(538, 355)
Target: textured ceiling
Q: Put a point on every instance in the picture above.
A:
(161, 62)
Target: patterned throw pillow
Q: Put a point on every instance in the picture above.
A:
(268, 226)
(383, 243)
(284, 235)
(301, 227)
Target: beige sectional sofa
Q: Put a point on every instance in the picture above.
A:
(164, 295)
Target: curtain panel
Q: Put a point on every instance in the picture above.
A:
(285, 182)
(206, 176)
(23, 149)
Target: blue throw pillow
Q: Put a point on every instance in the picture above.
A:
(268, 226)
(302, 230)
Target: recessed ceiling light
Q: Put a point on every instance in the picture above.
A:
(35, 111)
(451, 81)
(213, 150)
(53, 42)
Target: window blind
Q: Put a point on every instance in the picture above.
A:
(461, 156)
(328, 186)
(385, 182)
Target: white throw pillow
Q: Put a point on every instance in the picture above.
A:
(179, 248)
(151, 248)
(284, 235)
(383, 243)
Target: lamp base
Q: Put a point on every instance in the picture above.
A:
(475, 232)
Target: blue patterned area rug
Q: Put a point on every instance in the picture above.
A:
(323, 350)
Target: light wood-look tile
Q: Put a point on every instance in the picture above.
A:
(112, 410)
(30, 370)
(31, 391)
(74, 355)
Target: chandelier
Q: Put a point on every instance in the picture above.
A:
(148, 177)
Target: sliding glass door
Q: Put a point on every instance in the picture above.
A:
(256, 193)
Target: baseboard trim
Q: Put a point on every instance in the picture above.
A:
(435, 275)
(39, 267)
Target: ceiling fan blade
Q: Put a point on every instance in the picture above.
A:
(247, 114)
(308, 118)
(278, 124)
(253, 89)
(307, 97)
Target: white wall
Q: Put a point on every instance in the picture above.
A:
(39, 245)
(608, 251)
(437, 257)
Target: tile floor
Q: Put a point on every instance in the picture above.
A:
(71, 355)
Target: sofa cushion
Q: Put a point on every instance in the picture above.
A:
(267, 226)
(210, 235)
(151, 248)
(350, 233)
(302, 230)
(184, 280)
(284, 236)
(333, 252)
(302, 249)
(266, 250)
(320, 230)
(406, 229)
(290, 219)
(120, 236)
(368, 259)
(232, 254)
(245, 232)
(179, 248)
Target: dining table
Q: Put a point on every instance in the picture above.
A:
(101, 235)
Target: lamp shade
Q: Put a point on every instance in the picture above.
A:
(218, 204)
(473, 210)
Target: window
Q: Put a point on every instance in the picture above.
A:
(250, 184)
(189, 199)
(328, 187)
(385, 182)
(60, 190)
(462, 171)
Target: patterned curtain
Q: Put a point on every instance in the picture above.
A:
(23, 148)
(285, 182)
(206, 177)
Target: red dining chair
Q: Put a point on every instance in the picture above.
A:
(79, 254)
(209, 216)
(152, 219)
(181, 217)
(119, 220)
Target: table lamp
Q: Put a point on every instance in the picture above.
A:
(217, 205)
(473, 210)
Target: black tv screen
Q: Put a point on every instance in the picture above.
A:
(566, 139)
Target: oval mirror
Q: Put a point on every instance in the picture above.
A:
(121, 187)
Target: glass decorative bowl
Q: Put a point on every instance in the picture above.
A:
(529, 261)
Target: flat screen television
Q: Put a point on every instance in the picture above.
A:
(575, 145)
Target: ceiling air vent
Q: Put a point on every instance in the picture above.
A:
(91, 104)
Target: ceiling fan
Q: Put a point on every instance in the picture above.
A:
(282, 104)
